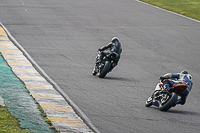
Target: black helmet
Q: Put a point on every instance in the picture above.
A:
(184, 72)
(114, 39)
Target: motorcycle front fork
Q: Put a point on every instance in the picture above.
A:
(155, 99)
(156, 102)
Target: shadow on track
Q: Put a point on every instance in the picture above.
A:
(120, 78)
(173, 111)
(183, 112)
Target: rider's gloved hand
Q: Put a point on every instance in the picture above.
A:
(100, 49)
(162, 78)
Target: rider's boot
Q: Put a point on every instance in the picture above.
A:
(94, 72)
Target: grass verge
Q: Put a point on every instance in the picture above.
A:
(8, 122)
(189, 8)
(47, 120)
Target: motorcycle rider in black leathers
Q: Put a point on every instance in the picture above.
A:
(113, 46)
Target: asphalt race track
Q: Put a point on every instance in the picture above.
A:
(63, 36)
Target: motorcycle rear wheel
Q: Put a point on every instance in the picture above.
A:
(169, 103)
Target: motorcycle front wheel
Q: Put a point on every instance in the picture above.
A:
(169, 102)
(105, 69)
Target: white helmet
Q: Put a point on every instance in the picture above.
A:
(189, 77)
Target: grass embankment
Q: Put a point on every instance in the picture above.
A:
(189, 8)
(8, 123)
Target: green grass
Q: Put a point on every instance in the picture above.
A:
(47, 120)
(189, 8)
(8, 123)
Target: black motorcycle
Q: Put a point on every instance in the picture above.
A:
(105, 66)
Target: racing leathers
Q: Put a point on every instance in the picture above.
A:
(111, 47)
(170, 79)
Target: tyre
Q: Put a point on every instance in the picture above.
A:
(105, 69)
(169, 103)
(149, 102)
